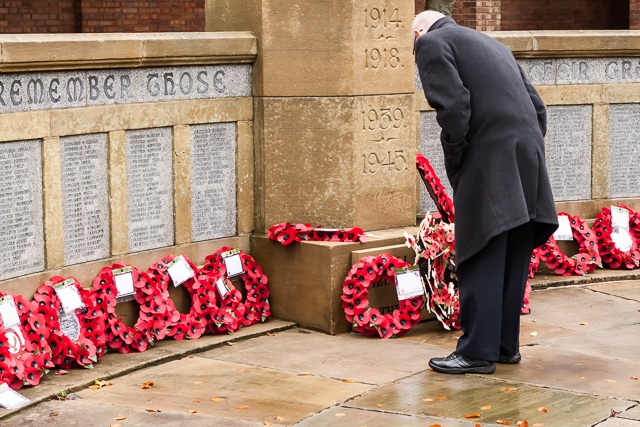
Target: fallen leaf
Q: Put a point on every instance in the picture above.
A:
(379, 405)
(151, 410)
(614, 413)
(585, 323)
(504, 423)
(477, 425)
(279, 418)
(471, 416)
(115, 425)
(242, 408)
(582, 378)
(486, 407)
(191, 357)
(54, 414)
(522, 423)
(533, 334)
(427, 399)
(610, 381)
(62, 372)
(218, 399)
(431, 371)
(348, 381)
(435, 425)
(120, 418)
(439, 381)
(439, 398)
(635, 378)
(538, 425)
(267, 423)
(147, 385)
(196, 401)
(198, 382)
(193, 411)
(510, 389)
(95, 387)
(269, 334)
(543, 409)
(341, 414)
(241, 369)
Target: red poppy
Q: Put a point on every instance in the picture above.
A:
(384, 329)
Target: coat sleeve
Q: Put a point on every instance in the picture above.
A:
(541, 110)
(446, 93)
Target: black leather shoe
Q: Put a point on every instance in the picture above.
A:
(510, 360)
(456, 363)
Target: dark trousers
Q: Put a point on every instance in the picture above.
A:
(492, 284)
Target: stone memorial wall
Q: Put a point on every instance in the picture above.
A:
(624, 152)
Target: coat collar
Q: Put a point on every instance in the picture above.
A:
(442, 22)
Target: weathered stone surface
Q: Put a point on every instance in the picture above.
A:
(626, 289)
(85, 198)
(568, 151)
(21, 233)
(624, 157)
(149, 188)
(213, 181)
(66, 89)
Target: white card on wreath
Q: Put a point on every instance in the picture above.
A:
(564, 231)
(69, 296)
(11, 399)
(123, 277)
(620, 235)
(9, 312)
(233, 262)
(180, 271)
(619, 217)
(408, 284)
(223, 289)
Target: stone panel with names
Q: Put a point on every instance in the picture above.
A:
(624, 156)
(21, 219)
(149, 188)
(563, 71)
(213, 181)
(85, 197)
(568, 151)
(431, 148)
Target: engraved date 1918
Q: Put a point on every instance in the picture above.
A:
(385, 161)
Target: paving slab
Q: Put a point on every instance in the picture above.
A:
(114, 364)
(619, 422)
(350, 417)
(628, 289)
(633, 413)
(81, 413)
(571, 370)
(453, 397)
(542, 280)
(569, 307)
(249, 393)
(347, 356)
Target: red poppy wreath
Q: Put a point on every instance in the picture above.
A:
(611, 254)
(25, 355)
(435, 188)
(585, 261)
(160, 310)
(369, 321)
(77, 336)
(287, 233)
(120, 337)
(255, 308)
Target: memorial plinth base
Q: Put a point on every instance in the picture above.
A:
(305, 279)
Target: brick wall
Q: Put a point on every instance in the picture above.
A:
(97, 16)
(37, 16)
(634, 14)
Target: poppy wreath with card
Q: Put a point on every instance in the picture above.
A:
(369, 321)
(76, 339)
(435, 188)
(611, 255)
(585, 261)
(287, 233)
(255, 308)
(25, 361)
(162, 312)
(121, 337)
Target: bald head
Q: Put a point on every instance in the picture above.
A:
(423, 21)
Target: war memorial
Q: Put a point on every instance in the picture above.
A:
(126, 150)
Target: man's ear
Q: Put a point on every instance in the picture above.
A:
(416, 33)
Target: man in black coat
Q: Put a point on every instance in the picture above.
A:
(493, 125)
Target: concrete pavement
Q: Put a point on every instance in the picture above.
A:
(581, 361)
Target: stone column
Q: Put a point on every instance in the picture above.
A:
(334, 117)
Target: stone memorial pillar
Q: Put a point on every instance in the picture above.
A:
(335, 132)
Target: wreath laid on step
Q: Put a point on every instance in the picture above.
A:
(76, 338)
(369, 321)
(287, 233)
(611, 255)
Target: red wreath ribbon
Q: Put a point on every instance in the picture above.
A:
(254, 309)
(120, 337)
(33, 360)
(287, 233)
(436, 190)
(585, 261)
(161, 312)
(91, 343)
(611, 255)
(369, 321)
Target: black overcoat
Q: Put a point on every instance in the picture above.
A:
(493, 125)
